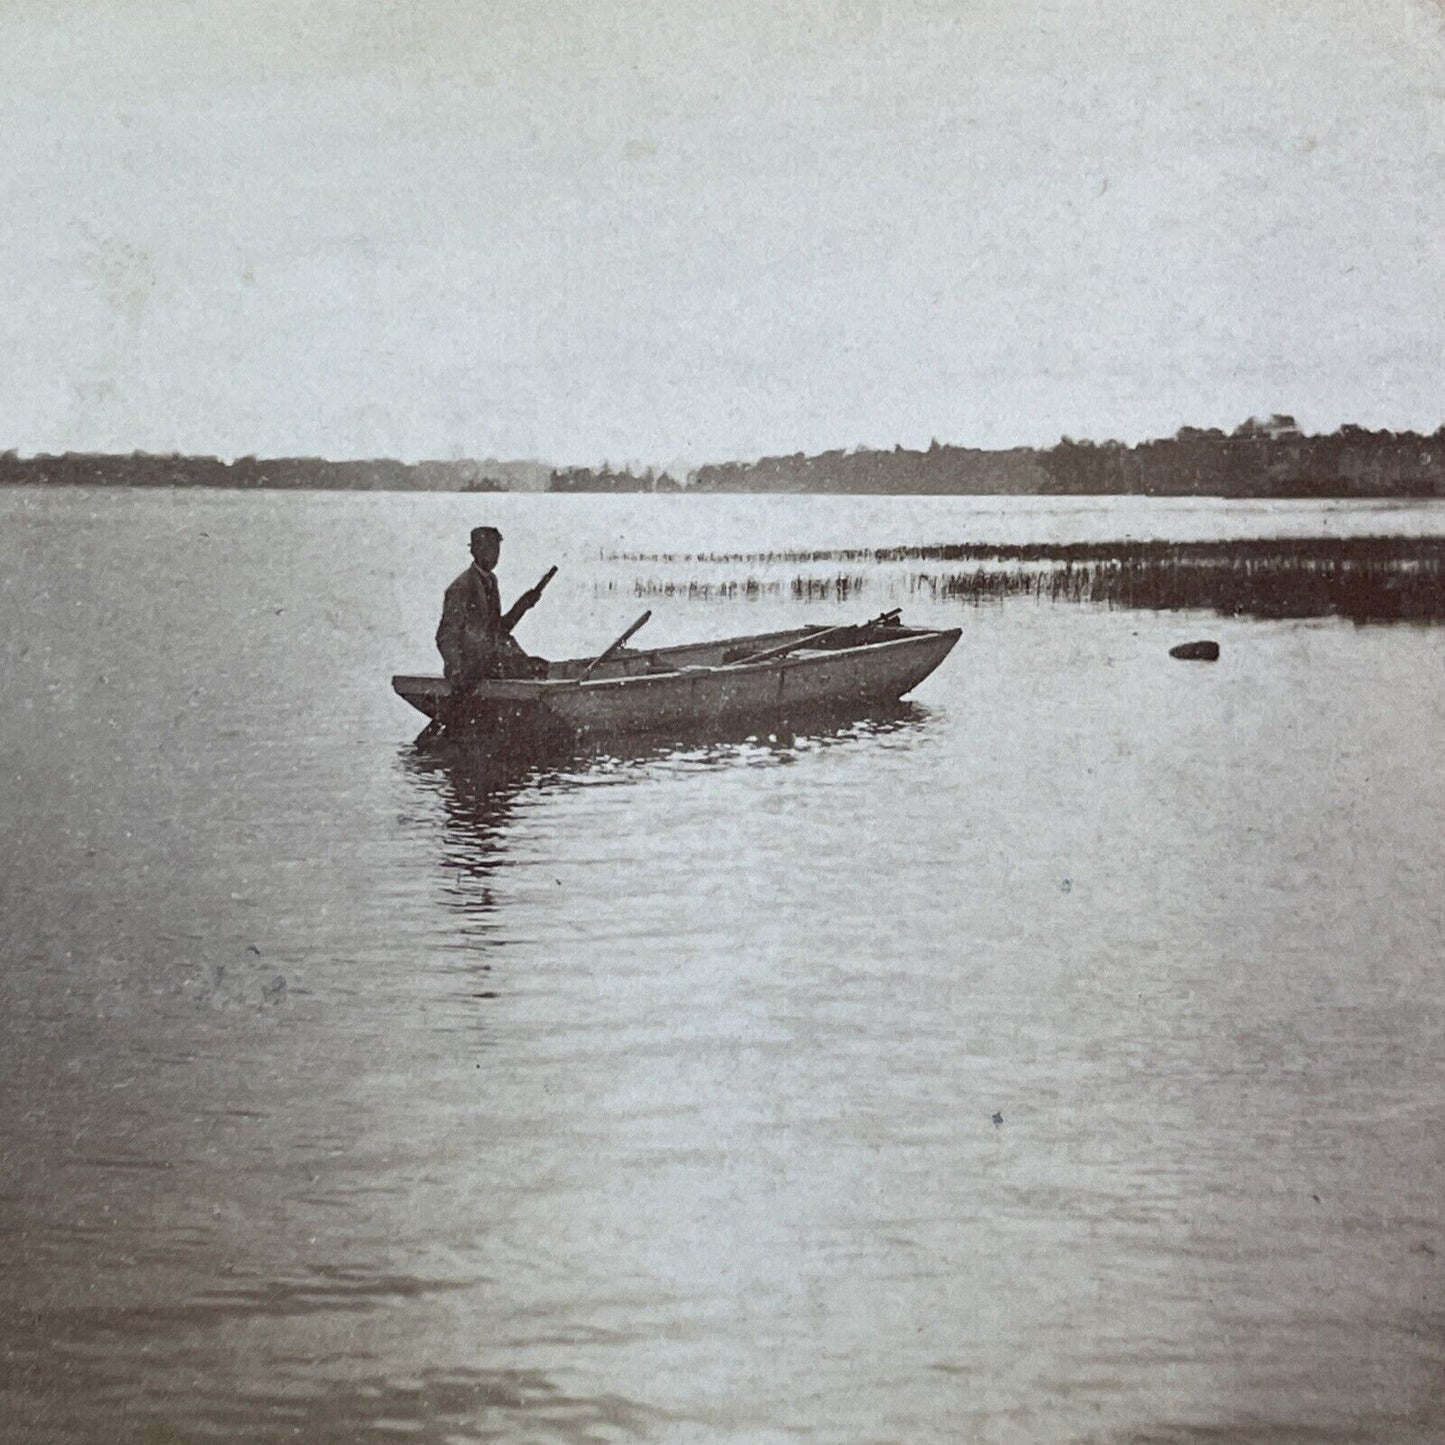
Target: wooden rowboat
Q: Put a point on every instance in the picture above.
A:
(775, 676)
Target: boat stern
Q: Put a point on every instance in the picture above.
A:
(428, 695)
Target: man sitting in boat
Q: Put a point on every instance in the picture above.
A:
(475, 635)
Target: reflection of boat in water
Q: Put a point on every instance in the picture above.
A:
(477, 797)
(482, 791)
(781, 677)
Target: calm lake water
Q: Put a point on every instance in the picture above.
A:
(1060, 1060)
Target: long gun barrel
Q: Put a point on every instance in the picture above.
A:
(526, 602)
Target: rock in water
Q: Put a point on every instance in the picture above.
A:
(1203, 651)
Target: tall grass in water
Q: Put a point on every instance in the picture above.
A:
(1368, 579)
(750, 589)
(1365, 578)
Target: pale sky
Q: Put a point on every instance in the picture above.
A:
(650, 231)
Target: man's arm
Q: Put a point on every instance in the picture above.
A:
(526, 602)
(518, 610)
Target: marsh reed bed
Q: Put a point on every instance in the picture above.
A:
(1364, 578)
(749, 589)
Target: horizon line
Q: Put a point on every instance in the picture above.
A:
(1274, 426)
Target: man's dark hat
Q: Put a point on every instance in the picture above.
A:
(480, 533)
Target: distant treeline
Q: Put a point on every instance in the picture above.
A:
(145, 469)
(1270, 458)
(604, 479)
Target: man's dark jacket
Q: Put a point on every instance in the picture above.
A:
(474, 632)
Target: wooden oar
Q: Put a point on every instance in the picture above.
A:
(613, 650)
(884, 619)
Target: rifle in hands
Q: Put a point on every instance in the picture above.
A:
(528, 600)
